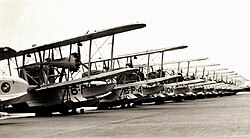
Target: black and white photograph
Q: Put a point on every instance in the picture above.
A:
(92, 68)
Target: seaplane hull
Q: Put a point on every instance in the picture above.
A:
(60, 99)
(97, 90)
(150, 94)
(118, 98)
(210, 93)
(115, 98)
(180, 93)
(199, 92)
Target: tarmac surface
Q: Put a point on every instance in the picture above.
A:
(215, 117)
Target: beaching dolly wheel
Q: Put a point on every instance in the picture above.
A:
(133, 105)
(82, 111)
(1, 106)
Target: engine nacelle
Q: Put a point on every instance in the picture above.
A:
(12, 85)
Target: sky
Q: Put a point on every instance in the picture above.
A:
(217, 29)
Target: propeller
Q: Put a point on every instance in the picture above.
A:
(77, 57)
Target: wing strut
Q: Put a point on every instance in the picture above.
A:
(17, 66)
(70, 50)
(203, 72)
(178, 70)
(35, 57)
(195, 73)
(214, 75)
(112, 53)
(60, 51)
(90, 46)
(188, 68)
(148, 65)
(49, 54)
(43, 56)
(162, 57)
(41, 68)
(9, 66)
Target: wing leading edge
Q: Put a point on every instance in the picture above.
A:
(95, 35)
(97, 77)
(145, 82)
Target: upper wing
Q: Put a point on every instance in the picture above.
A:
(86, 37)
(197, 66)
(120, 29)
(151, 51)
(97, 77)
(185, 82)
(203, 83)
(142, 53)
(176, 61)
(186, 60)
(120, 86)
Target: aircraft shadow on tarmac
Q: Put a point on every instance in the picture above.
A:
(10, 123)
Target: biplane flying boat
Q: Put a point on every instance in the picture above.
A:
(209, 74)
(179, 92)
(52, 86)
(138, 76)
(175, 95)
(223, 85)
(229, 87)
(196, 67)
(197, 90)
(132, 79)
(208, 91)
(148, 92)
(133, 93)
(190, 94)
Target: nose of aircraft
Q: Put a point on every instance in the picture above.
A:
(12, 85)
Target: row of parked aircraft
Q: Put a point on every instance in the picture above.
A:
(39, 80)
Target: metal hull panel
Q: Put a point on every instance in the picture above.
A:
(152, 90)
(97, 90)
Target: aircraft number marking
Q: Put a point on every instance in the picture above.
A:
(74, 90)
